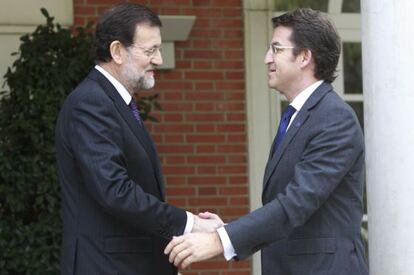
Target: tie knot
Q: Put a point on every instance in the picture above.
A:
(135, 112)
(288, 112)
(133, 105)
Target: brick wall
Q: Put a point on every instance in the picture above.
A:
(201, 136)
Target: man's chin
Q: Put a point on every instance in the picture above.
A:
(147, 83)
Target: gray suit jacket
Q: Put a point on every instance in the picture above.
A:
(312, 196)
(114, 215)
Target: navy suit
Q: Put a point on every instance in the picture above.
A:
(114, 215)
(312, 196)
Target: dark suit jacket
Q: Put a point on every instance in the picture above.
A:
(312, 196)
(114, 215)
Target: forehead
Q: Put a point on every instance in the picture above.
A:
(281, 35)
(146, 34)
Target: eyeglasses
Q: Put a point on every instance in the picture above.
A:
(279, 48)
(150, 52)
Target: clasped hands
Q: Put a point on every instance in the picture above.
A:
(202, 243)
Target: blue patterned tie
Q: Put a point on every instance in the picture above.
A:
(135, 111)
(284, 122)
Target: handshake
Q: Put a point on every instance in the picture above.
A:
(202, 243)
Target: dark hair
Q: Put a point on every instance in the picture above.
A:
(119, 23)
(314, 31)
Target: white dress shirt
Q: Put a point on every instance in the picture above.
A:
(126, 96)
(297, 103)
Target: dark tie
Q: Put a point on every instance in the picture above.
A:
(284, 122)
(135, 111)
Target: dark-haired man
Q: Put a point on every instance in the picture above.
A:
(313, 183)
(114, 215)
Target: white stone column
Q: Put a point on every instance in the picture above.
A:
(388, 70)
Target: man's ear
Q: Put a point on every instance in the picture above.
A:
(117, 51)
(305, 57)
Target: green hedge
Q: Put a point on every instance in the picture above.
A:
(50, 62)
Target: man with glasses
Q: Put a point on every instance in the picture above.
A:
(114, 215)
(313, 182)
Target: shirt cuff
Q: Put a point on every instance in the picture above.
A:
(228, 248)
(190, 223)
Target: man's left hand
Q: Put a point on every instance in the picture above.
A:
(193, 247)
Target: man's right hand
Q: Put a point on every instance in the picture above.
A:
(206, 222)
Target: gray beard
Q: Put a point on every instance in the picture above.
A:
(145, 83)
(137, 82)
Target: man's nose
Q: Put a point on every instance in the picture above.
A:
(268, 57)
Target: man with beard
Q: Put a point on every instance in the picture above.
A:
(114, 215)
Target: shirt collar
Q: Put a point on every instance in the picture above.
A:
(301, 98)
(118, 86)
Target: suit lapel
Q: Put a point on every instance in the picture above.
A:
(295, 126)
(140, 133)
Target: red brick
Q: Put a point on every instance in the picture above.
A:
(174, 159)
(206, 54)
(183, 64)
(205, 33)
(236, 138)
(227, 3)
(239, 200)
(231, 148)
(236, 85)
(234, 54)
(207, 191)
(182, 202)
(201, 2)
(231, 128)
(171, 128)
(181, 149)
(232, 12)
(206, 149)
(234, 75)
(209, 170)
(233, 191)
(172, 96)
(203, 107)
(238, 179)
(82, 10)
(206, 159)
(205, 117)
(185, 191)
(239, 169)
(176, 75)
(200, 201)
(211, 180)
(203, 86)
(205, 138)
(175, 180)
(236, 117)
(178, 170)
(203, 128)
(202, 65)
(174, 139)
(228, 44)
(170, 2)
(178, 106)
(202, 44)
(203, 13)
(227, 23)
(197, 96)
(229, 107)
(169, 11)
